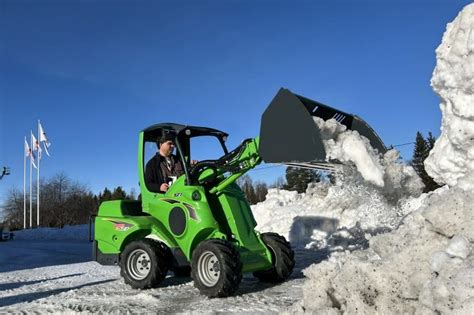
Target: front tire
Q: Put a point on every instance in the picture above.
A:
(216, 268)
(283, 259)
(144, 264)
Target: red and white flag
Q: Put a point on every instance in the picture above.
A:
(42, 138)
(36, 145)
(29, 153)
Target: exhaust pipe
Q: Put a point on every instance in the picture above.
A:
(288, 133)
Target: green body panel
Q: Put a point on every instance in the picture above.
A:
(217, 212)
(241, 223)
(114, 228)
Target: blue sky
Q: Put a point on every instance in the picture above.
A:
(98, 72)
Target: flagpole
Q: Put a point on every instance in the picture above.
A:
(24, 186)
(31, 180)
(38, 181)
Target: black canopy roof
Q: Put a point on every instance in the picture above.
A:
(154, 131)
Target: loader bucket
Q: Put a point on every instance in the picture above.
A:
(288, 132)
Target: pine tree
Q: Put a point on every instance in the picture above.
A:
(420, 153)
(299, 178)
(105, 196)
(119, 194)
(431, 141)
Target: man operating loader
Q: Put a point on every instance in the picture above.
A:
(164, 167)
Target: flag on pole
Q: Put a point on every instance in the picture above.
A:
(36, 146)
(42, 138)
(29, 153)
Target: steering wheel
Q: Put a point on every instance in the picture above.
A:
(196, 170)
(214, 164)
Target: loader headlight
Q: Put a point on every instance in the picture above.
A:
(196, 195)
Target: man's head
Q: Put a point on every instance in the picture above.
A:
(166, 144)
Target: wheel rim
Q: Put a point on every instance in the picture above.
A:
(209, 269)
(139, 264)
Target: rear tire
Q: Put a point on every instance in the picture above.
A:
(216, 268)
(283, 259)
(144, 263)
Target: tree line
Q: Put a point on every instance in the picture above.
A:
(63, 201)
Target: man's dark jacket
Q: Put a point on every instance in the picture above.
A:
(157, 171)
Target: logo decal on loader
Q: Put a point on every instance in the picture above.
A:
(121, 226)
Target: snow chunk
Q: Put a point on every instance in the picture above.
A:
(459, 247)
(451, 213)
(349, 146)
(450, 161)
(438, 260)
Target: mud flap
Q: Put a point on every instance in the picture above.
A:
(288, 133)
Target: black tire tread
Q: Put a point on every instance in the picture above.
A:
(160, 263)
(231, 268)
(283, 258)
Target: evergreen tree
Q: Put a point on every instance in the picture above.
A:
(119, 194)
(299, 178)
(105, 196)
(420, 153)
(431, 141)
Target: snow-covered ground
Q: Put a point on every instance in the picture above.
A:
(56, 275)
(371, 244)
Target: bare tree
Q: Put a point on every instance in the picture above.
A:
(62, 202)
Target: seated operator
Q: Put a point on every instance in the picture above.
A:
(163, 166)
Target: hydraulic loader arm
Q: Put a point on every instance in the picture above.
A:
(227, 169)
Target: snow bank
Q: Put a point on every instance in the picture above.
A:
(451, 160)
(418, 268)
(426, 266)
(69, 232)
(351, 207)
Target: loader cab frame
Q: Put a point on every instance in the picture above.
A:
(183, 135)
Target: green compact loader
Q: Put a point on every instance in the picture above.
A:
(203, 225)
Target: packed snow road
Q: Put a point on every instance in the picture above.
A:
(58, 276)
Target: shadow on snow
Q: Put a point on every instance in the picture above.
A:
(30, 297)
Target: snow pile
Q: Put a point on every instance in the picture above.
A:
(73, 232)
(426, 266)
(351, 209)
(423, 266)
(372, 194)
(451, 159)
(358, 204)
